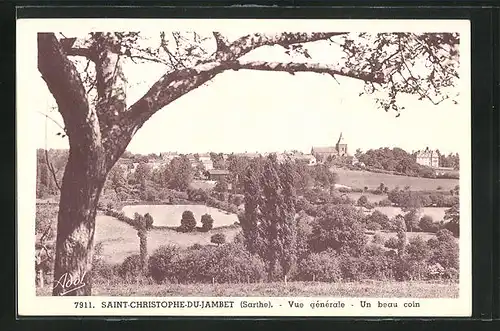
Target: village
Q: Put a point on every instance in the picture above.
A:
(205, 169)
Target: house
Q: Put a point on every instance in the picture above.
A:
(206, 161)
(428, 158)
(340, 149)
(217, 174)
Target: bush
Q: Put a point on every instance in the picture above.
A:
(188, 222)
(417, 249)
(162, 261)
(392, 243)
(385, 203)
(375, 264)
(445, 250)
(323, 267)
(238, 199)
(218, 238)
(427, 224)
(362, 201)
(451, 274)
(338, 227)
(380, 218)
(373, 226)
(131, 267)
(378, 239)
(207, 222)
(224, 264)
(103, 272)
(234, 265)
(148, 220)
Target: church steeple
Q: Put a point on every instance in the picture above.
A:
(341, 146)
(341, 139)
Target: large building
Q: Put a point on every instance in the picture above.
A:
(428, 158)
(340, 149)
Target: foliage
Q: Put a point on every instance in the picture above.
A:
(161, 262)
(427, 224)
(221, 186)
(452, 215)
(131, 268)
(207, 222)
(178, 175)
(338, 227)
(445, 249)
(380, 218)
(412, 219)
(392, 243)
(206, 264)
(218, 238)
(362, 201)
(188, 222)
(378, 239)
(323, 176)
(322, 267)
(268, 222)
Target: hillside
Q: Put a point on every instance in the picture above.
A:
(360, 179)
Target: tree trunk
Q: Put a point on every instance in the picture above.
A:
(83, 181)
(143, 246)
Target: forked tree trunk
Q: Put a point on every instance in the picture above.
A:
(83, 181)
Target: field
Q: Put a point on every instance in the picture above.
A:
(291, 289)
(437, 213)
(203, 184)
(120, 240)
(170, 215)
(360, 179)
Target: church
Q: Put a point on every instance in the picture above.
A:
(340, 149)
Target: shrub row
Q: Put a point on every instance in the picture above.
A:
(227, 263)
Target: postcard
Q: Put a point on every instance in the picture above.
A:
(243, 167)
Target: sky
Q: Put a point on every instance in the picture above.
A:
(260, 111)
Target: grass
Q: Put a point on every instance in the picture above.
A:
(170, 215)
(292, 289)
(120, 240)
(360, 179)
(203, 184)
(437, 213)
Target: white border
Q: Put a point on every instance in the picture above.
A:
(31, 305)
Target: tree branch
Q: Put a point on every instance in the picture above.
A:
(250, 42)
(66, 86)
(222, 45)
(63, 81)
(67, 47)
(309, 67)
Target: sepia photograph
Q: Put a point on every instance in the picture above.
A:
(323, 160)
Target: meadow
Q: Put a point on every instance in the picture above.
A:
(170, 215)
(437, 213)
(410, 289)
(120, 240)
(360, 179)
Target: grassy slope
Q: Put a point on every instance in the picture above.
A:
(120, 239)
(360, 179)
(292, 289)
